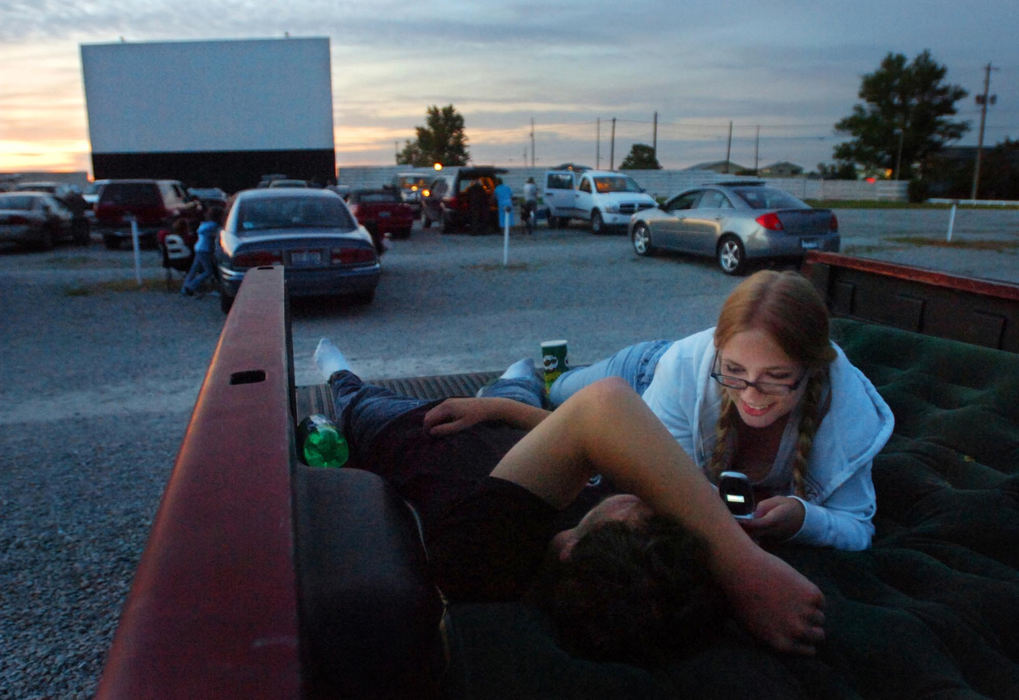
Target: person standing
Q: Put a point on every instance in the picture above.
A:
(529, 207)
(203, 266)
(504, 200)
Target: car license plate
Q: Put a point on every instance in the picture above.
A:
(383, 214)
(809, 244)
(305, 257)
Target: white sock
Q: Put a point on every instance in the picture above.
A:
(521, 369)
(329, 359)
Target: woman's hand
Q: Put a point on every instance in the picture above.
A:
(454, 415)
(776, 518)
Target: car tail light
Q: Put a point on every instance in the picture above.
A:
(258, 259)
(352, 256)
(770, 221)
(15, 220)
(833, 225)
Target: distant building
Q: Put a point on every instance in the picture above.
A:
(721, 166)
(781, 169)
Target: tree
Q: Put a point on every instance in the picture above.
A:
(641, 157)
(441, 140)
(904, 118)
(843, 170)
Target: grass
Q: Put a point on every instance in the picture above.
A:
(999, 246)
(875, 204)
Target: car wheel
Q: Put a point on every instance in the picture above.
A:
(82, 233)
(225, 301)
(557, 222)
(425, 221)
(363, 298)
(597, 225)
(111, 242)
(641, 239)
(731, 256)
(45, 241)
(447, 225)
(403, 233)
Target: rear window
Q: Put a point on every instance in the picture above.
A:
(134, 194)
(768, 198)
(376, 197)
(259, 214)
(16, 202)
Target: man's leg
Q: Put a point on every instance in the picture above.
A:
(634, 364)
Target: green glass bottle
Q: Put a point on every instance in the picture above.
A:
(321, 443)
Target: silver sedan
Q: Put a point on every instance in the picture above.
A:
(735, 222)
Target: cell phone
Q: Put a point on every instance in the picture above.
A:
(738, 494)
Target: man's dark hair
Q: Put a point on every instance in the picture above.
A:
(637, 595)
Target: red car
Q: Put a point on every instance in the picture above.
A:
(381, 212)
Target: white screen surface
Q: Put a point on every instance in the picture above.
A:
(251, 95)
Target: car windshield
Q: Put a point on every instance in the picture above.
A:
(259, 214)
(16, 202)
(768, 198)
(616, 184)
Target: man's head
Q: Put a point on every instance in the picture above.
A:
(632, 589)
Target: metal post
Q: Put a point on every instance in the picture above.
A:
(137, 251)
(612, 147)
(728, 149)
(505, 236)
(951, 221)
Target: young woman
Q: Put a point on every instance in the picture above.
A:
(489, 498)
(767, 393)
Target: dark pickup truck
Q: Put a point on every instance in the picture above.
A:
(266, 578)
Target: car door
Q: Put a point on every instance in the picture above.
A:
(583, 200)
(559, 194)
(668, 230)
(703, 225)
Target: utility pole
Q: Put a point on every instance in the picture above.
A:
(654, 138)
(532, 142)
(983, 101)
(757, 148)
(728, 149)
(612, 147)
(597, 145)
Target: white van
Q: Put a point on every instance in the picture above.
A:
(606, 199)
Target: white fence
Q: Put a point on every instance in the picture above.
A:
(664, 183)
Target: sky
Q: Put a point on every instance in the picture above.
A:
(782, 73)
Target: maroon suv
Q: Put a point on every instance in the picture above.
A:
(154, 204)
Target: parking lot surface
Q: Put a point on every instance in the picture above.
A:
(98, 378)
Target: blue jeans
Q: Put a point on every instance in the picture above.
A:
(363, 410)
(201, 269)
(636, 364)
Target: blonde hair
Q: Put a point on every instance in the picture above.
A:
(786, 306)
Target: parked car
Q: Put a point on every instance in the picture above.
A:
(91, 196)
(602, 198)
(311, 232)
(154, 204)
(410, 184)
(445, 199)
(38, 219)
(735, 222)
(69, 195)
(381, 212)
(209, 197)
(288, 183)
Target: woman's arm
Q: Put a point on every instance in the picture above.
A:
(607, 429)
(453, 415)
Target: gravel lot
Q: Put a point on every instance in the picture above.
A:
(98, 377)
